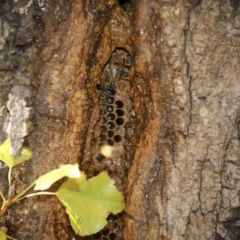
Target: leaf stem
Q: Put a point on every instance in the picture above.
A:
(35, 194)
(22, 193)
(11, 238)
(9, 181)
(4, 204)
(2, 196)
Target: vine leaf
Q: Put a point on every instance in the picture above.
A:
(46, 180)
(89, 202)
(2, 236)
(11, 161)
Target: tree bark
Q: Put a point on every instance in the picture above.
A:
(183, 181)
(179, 168)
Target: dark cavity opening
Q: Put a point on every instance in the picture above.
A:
(112, 236)
(105, 232)
(95, 174)
(119, 104)
(100, 157)
(111, 125)
(110, 142)
(119, 121)
(103, 129)
(102, 138)
(119, 113)
(110, 134)
(125, 4)
(117, 138)
(111, 116)
(97, 236)
(94, 142)
(111, 91)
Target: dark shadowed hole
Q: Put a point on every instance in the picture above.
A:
(105, 232)
(110, 142)
(103, 129)
(21, 48)
(95, 174)
(100, 157)
(104, 238)
(112, 236)
(235, 3)
(97, 236)
(119, 104)
(119, 121)
(102, 138)
(110, 134)
(110, 100)
(94, 141)
(119, 113)
(117, 138)
(111, 125)
(109, 108)
(99, 86)
(111, 91)
(194, 2)
(111, 116)
(125, 4)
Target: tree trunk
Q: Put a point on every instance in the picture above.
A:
(171, 69)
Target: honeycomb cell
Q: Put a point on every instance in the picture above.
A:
(117, 138)
(119, 104)
(111, 125)
(100, 86)
(103, 129)
(101, 144)
(112, 236)
(111, 116)
(95, 174)
(105, 232)
(119, 121)
(109, 108)
(111, 91)
(119, 113)
(103, 120)
(104, 238)
(110, 134)
(100, 157)
(94, 141)
(110, 142)
(102, 138)
(110, 100)
(97, 236)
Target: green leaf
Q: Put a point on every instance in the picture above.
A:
(2, 236)
(88, 202)
(11, 161)
(46, 180)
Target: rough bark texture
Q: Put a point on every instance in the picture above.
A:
(183, 182)
(184, 178)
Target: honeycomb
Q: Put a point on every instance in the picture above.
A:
(114, 127)
(111, 122)
(115, 107)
